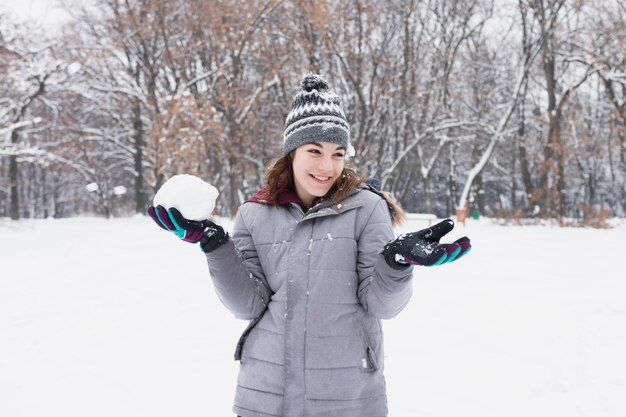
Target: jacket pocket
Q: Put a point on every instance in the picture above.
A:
(244, 336)
(369, 359)
(370, 363)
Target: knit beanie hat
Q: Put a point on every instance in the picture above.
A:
(316, 116)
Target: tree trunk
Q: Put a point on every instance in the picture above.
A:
(452, 187)
(14, 202)
(140, 198)
(513, 182)
(428, 206)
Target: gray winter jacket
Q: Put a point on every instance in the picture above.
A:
(315, 288)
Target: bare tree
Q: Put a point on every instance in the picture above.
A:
(31, 69)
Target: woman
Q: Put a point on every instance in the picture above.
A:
(314, 266)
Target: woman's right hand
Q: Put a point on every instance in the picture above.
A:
(209, 234)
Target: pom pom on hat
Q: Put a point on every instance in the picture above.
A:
(314, 82)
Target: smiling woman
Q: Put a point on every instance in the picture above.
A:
(313, 264)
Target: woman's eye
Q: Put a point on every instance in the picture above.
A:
(340, 155)
(314, 151)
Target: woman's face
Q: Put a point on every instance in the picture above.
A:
(316, 167)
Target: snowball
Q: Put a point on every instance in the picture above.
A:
(91, 187)
(192, 196)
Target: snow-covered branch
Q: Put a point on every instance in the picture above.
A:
(495, 137)
(416, 141)
(19, 125)
(253, 98)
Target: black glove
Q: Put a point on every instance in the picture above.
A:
(423, 247)
(213, 235)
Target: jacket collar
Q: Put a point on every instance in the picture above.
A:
(320, 207)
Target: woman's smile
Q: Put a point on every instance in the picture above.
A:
(321, 179)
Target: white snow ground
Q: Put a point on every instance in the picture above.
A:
(118, 318)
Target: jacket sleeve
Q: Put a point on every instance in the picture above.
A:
(383, 291)
(237, 274)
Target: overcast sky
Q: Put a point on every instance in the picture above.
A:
(43, 12)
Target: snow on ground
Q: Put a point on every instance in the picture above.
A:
(118, 318)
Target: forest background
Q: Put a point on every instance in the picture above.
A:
(513, 109)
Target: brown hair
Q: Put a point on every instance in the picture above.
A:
(279, 176)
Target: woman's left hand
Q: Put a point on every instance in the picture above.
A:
(423, 247)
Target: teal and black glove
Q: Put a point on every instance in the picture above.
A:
(209, 234)
(423, 247)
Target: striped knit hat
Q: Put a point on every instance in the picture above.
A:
(316, 116)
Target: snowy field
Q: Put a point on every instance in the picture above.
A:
(102, 318)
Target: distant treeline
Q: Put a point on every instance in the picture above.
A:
(513, 111)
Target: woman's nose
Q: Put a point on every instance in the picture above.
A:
(325, 164)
